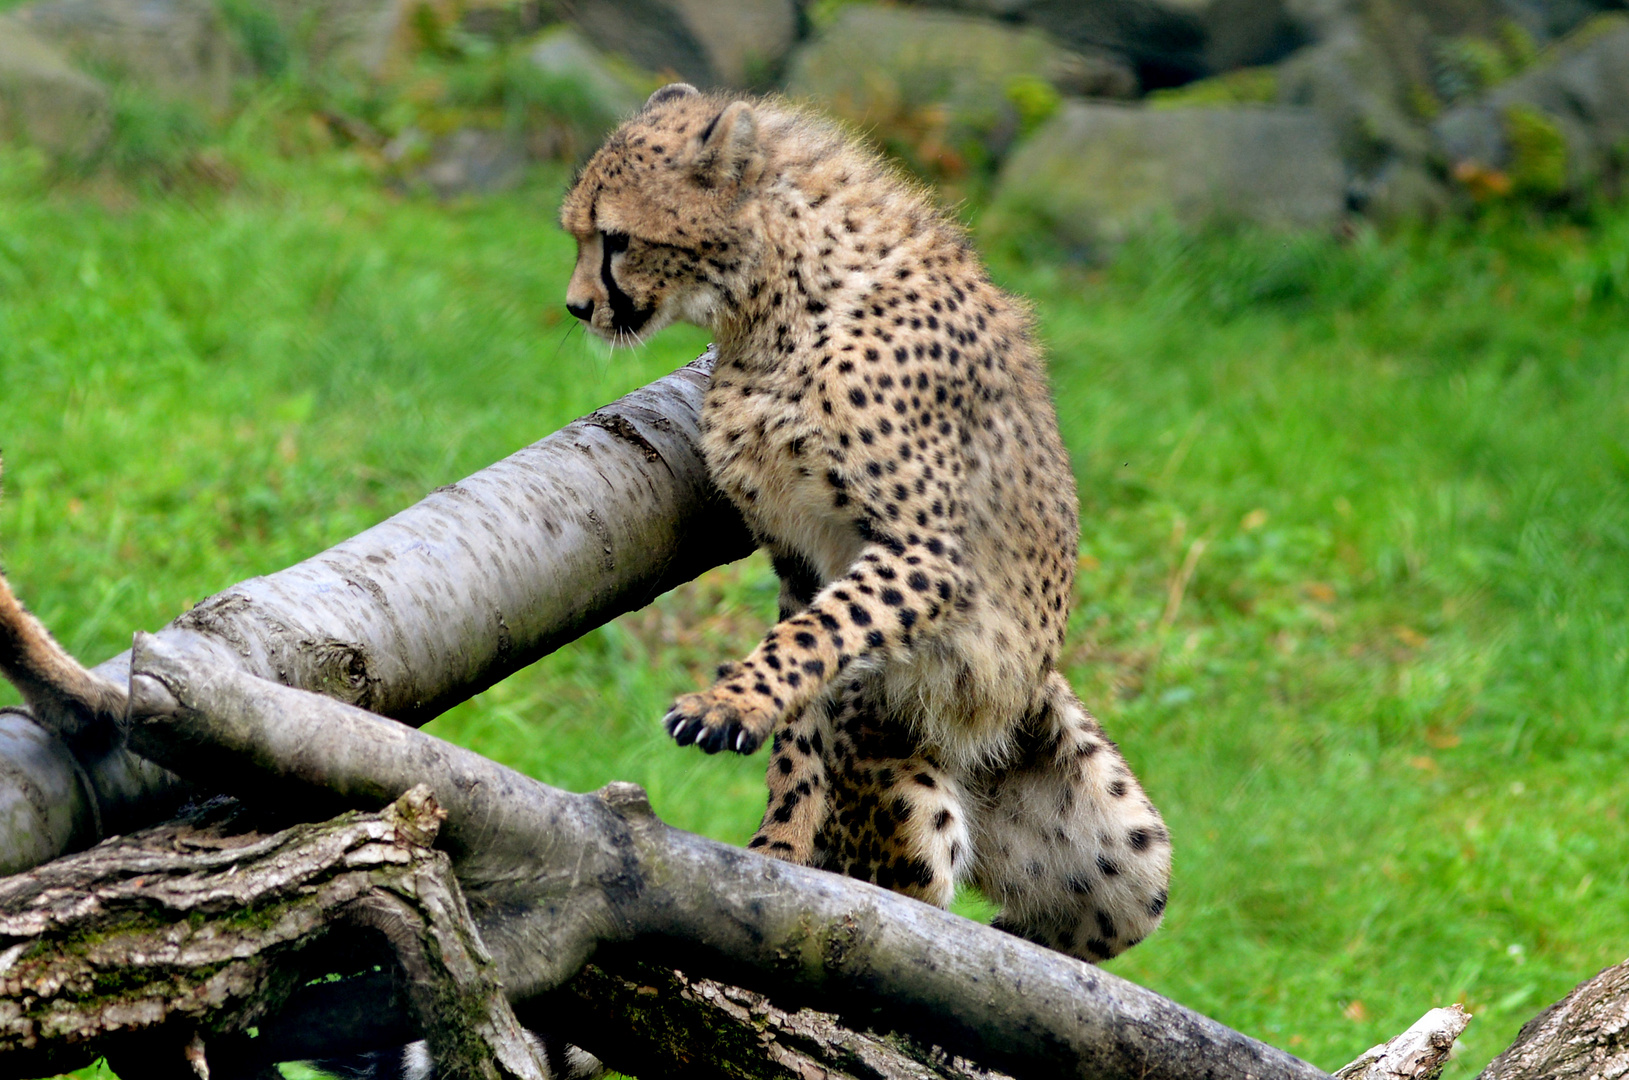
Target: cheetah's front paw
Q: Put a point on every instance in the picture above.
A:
(720, 719)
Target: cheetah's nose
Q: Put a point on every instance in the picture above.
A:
(583, 311)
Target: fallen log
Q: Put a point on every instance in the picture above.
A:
(553, 877)
(473, 583)
(150, 948)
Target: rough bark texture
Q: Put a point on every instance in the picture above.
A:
(552, 877)
(1584, 1036)
(649, 1021)
(152, 947)
(425, 609)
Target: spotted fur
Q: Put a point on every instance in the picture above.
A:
(880, 415)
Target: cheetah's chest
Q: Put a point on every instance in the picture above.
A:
(766, 454)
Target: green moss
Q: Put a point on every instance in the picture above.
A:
(260, 34)
(1598, 27)
(1247, 86)
(1538, 163)
(1035, 99)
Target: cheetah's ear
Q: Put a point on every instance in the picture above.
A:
(729, 151)
(671, 92)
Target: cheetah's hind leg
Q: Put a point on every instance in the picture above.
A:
(1070, 846)
(896, 818)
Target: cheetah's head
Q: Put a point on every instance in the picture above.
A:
(658, 216)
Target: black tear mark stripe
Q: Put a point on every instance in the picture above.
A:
(626, 316)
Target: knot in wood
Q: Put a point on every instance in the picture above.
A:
(626, 799)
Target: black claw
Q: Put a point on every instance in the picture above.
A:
(713, 741)
(684, 733)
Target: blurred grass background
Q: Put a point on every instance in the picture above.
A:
(1353, 596)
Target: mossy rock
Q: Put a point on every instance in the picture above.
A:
(1097, 173)
(1555, 131)
(178, 50)
(47, 102)
(949, 93)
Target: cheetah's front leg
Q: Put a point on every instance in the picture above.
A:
(894, 592)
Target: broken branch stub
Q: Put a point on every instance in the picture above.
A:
(1417, 1054)
(427, 608)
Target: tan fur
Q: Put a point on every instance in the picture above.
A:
(65, 697)
(880, 415)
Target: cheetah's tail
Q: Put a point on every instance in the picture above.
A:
(67, 699)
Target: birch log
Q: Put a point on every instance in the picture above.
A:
(425, 609)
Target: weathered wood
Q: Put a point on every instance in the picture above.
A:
(645, 1020)
(1417, 1054)
(1584, 1036)
(423, 610)
(553, 877)
(151, 947)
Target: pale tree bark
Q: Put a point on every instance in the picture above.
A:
(435, 604)
(1417, 1054)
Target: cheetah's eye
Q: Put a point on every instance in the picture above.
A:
(615, 242)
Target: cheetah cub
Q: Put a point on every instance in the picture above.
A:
(880, 416)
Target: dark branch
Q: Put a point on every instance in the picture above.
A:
(553, 877)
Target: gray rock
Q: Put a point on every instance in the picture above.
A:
(1558, 128)
(741, 43)
(473, 161)
(746, 41)
(44, 100)
(1250, 33)
(1357, 86)
(363, 35)
(180, 49)
(957, 85)
(612, 90)
(589, 91)
(1097, 173)
(1164, 42)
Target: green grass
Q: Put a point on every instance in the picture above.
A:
(1354, 596)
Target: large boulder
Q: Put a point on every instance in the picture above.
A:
(179, 49)
(589, 91)
(1558, 129)
(1380, 72)
(473, 161)
(949, 92)
(371, 37)
(739, 43)
(1250, 33)
(1162, 40)
(1096, 173)
(44, 100)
